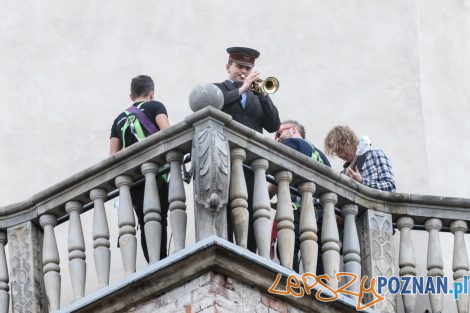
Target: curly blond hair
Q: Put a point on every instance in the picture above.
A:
(339, 139)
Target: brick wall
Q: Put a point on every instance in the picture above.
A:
(214, 293)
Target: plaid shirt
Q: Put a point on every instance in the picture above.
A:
(377, 171)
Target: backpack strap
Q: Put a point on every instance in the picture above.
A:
(149, 126)
(315, 154)
(133, 122)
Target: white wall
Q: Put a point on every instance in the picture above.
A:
(395, 70)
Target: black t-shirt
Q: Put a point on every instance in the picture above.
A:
(303, 146)
(150, 108)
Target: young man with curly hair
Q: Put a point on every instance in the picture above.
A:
(367, 166)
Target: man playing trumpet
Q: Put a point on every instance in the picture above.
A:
(252, 109)
(255, 110)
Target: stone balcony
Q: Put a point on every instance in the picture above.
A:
(220, 148)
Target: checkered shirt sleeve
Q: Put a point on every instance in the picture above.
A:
(377, 171)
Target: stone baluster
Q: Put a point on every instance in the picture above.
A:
(330, 238)
(177, 200)
(239, 197)
(261, 208)
(435, 262)
(152, 212)
(126, 222)
(351, 247)
(285, 219)
(50, 261)
(4, 278)
(407, 261)
(460, 262)
(308, 229)
(76, 245)
(101, 244)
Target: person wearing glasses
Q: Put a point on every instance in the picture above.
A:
(292, 134)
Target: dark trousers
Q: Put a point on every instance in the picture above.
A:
(250, 181)
(137, 194)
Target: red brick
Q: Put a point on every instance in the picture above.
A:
(274, 304)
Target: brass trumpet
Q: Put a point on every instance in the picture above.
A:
(267, 85)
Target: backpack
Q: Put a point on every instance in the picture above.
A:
(135, 119)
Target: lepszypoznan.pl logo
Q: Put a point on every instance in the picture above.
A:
(394, 285)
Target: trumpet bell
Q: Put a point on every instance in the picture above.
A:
(270, 84)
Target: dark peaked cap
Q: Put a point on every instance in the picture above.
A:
(243, 56)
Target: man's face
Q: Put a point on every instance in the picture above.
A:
(284, 132)
(238, 72)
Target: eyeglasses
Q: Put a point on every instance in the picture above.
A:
(281, 130)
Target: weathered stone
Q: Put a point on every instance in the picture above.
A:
(27, 289)
(204, 95)
(211, 165)
(377, 253)
(177, 200)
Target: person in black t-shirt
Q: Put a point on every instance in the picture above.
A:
(122, 136)
(292, 134)
(142, 95)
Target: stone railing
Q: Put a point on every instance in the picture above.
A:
(219, 148)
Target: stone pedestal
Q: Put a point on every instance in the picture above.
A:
(211, 165)
(375, 235)
(25, 264)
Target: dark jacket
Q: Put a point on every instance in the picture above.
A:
(259, 112)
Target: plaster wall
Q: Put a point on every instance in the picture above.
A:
(391, 69)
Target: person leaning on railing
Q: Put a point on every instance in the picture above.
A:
(143, 118)
(292, 134)
(365, 165)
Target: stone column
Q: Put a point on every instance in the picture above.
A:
(25, 265)
(407, 259)
(285, 219)
(239, 198)
(308, 229)
(76, 247)
(261, 218)
(126, 223)
(4, 278)
(351, 247)
(101, 253)
(375, 232)
(51, 261)
(177, 200)
(435, 263)
(330, 238)
(460, 264)
(211, 164)
(152, 212)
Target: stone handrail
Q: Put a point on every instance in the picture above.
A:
(180, 135)
(374, 210)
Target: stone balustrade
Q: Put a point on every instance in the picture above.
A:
(219, 181)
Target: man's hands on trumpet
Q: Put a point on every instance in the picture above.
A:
(249, 80)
